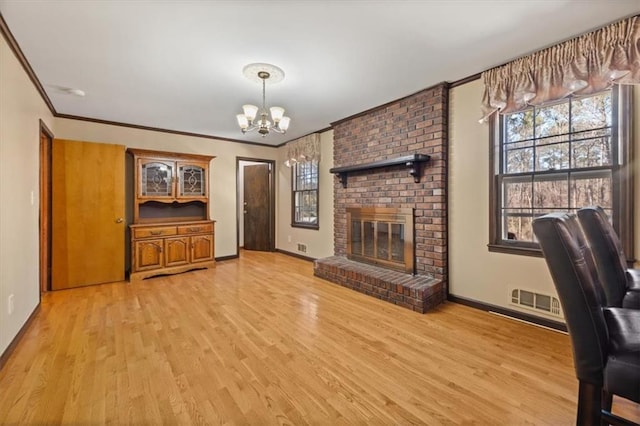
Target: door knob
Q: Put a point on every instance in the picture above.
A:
(119, 220)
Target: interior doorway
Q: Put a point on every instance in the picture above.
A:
(256, 204)
(46, 143)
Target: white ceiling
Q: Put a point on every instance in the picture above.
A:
(178, 64)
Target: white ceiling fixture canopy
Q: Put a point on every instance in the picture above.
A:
(263, 73)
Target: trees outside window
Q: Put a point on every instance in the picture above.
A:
(558, 157)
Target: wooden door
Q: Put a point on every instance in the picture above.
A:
(46, 143)
(87, 213)
(257, 212)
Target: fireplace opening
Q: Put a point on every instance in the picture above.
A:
(382, 236)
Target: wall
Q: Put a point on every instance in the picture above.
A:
(223, 167)
(319, 242)
(474, 272)
(21, 108)
(416, 124)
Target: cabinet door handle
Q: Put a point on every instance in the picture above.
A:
(194, 229)
(119, 220)
(156, 232)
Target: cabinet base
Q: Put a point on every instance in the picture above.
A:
(137, 276)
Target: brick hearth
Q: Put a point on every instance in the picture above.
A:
(417, 292)
(416, 124)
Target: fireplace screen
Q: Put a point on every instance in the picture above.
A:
(382, 236)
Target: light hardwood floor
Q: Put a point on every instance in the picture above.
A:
(260, 341)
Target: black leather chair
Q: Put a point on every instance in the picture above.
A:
(621, 284)
(605, 340)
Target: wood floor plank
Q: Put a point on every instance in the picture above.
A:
(260, 340)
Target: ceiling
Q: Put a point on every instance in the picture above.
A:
(177, 65)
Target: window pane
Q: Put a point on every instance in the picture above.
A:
(552, 120)
(519, 159)
(591, 189)
(591, 113)
(553, 156)
(517, 224)
(592, 149)
(519, 126)
(551, 191)
(517, 192)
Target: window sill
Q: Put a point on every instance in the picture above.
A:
(509, 249)
(304, 226)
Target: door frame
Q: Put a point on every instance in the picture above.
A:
(46, 146)
(272, 200)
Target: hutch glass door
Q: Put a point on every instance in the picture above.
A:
(156, 179)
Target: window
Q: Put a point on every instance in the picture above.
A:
(559, 157)
(305, 194)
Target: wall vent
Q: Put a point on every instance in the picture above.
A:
(302, 247)
(543, 303)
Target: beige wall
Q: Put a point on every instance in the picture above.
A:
(21, 108)
(474, 272)
(223, 167)
(319, 242)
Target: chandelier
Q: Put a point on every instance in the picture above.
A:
(255, 118)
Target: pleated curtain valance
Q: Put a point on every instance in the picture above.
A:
(305, 149)
(584, 65)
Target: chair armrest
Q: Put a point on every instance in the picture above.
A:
(633, 279)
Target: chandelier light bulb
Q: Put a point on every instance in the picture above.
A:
(250, 111)
(284, 123)
(277, 113)
(243, 122)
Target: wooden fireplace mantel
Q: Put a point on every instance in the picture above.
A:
(412, 162)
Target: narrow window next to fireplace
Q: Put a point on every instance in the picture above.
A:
(381, 236)
(304, 199)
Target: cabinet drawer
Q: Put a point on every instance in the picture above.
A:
(201, 228)
(156, 231)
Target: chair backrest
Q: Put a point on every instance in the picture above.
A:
(573, 271)
(608, 253)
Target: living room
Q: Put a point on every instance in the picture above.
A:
(475, 274)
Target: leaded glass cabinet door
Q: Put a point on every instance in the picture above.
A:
(192, 180)
(156, 179)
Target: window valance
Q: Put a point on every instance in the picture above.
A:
(581, 66)
(306, 148)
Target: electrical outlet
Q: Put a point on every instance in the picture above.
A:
(10, 304)
(289, 239)
(33, 197)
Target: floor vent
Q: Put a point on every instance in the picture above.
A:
(548, 304)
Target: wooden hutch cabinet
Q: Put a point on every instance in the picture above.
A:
(171, 230)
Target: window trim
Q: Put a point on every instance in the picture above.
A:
(294, 224)
(622, 180)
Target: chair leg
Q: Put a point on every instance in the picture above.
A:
(589, 404)
(607, 402)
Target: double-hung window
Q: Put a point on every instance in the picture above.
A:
(559, 157)
(305, 194)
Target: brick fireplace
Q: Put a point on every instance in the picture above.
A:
(416, 124)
